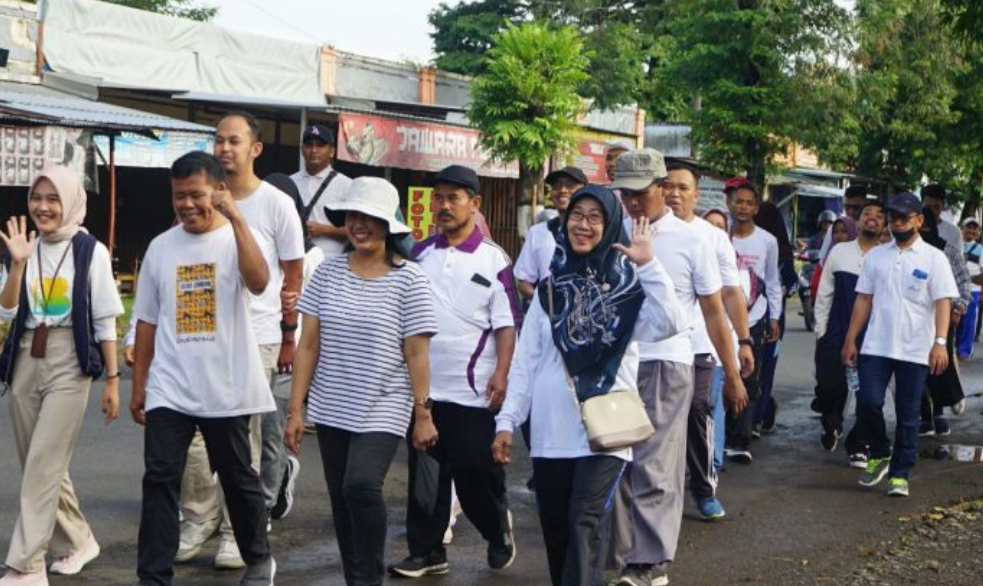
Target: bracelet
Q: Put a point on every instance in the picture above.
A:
(110, 375)
(285, 327)
(745, 342)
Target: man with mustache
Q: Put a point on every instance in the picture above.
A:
(478, 316)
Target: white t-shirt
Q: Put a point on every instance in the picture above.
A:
(308, 185)
(105, 301)
(692, 266)
(729, 277)
(536, 255)
(759, 252)
(206, 360)
(272, 216)
(474, 295)
(905, 285)
(538, 383)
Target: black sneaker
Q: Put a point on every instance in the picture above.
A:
(501, 555)
(926, 428)
(432, 564)
(739, 455)
(828, 440)
(942, 426)
(756, 431)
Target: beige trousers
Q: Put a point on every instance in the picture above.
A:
(47, 406)
(201, 499)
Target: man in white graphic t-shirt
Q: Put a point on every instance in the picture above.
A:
(197, 367)
(757, 250)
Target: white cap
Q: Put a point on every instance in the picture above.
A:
(372, 196)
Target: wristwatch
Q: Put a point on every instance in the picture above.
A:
(940, 341)
(426, 403)
(745, 342)
(110, 375)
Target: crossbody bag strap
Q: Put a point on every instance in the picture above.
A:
(305, 213)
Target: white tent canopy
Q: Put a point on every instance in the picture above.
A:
(134, 48)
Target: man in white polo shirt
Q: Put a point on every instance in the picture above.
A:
(905, 289)
(665, 373)
(319, 185)
(537, 253)
(478, 317)
(682, 191)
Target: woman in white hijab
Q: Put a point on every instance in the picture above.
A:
(61, 299)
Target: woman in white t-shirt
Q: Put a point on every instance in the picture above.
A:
(578, 342)
(62, 336)
(363, 363)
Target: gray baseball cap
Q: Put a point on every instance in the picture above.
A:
(638, 169)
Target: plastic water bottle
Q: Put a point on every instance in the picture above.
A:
(852, 379)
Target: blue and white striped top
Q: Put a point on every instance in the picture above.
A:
(361, 383)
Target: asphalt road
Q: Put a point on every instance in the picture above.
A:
(794, 516)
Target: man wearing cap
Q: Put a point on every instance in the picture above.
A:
(972, 252)
(666, 375)
(854, 199)
(537, 252)
(478, 317)
(904, 290)
(319, 185)
(757, 251)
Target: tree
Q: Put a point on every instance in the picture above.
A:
(752, 66)
(463, 33)
(526, 104)
(189, 9)
(909, 62)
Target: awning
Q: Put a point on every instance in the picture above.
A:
(33, 105)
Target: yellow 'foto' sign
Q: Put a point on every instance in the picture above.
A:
(420, 213)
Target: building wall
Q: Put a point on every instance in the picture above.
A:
(19, 34)
(366, 78)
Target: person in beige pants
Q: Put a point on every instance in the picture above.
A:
(59, 293)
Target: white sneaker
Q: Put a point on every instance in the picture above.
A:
(449, 535)
(959, 408)
(193, 536)
(73, 563)
(228, 557)
(15, 578)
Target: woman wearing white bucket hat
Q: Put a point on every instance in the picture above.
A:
(363, 363)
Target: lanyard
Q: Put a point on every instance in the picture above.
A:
(46, 295)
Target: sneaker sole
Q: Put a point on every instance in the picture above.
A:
(712, 517)
(858, 465)
(187, 555)
(436, 570)
(229, 564)
(896, 492)
(287, 491)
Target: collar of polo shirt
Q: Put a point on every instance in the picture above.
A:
(469, 245)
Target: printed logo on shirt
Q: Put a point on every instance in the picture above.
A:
(59, 302)
(196, 302)
(746, 261)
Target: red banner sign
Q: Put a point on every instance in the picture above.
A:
(406, 144)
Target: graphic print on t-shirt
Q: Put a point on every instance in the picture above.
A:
(56, 290)
(196, 301)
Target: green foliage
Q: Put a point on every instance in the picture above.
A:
(526, 104)
(181, 8)
(764, 74)
(463, 33)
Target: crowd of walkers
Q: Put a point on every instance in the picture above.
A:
(273, 306)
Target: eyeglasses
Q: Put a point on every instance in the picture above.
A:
(593, 219)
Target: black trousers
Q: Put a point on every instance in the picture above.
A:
(572, 495)
(739, 424)
(463, 453)
(355, 468)
(167, 436)
(700, 431)
(832, 393)
(943, 390)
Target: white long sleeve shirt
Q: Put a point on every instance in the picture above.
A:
(538, 382)
(759, 252)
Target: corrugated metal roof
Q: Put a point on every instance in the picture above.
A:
(49, 107)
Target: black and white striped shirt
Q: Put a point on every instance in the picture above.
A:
(361, 383)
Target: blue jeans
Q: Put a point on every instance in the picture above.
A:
(909, 383)
(719, 416)
(967, 328)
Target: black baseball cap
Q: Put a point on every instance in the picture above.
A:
(856, 190)
(905, 203)
(459, 175)
(320, 133)
(572, 173)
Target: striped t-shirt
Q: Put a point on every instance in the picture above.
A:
(361, 383)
